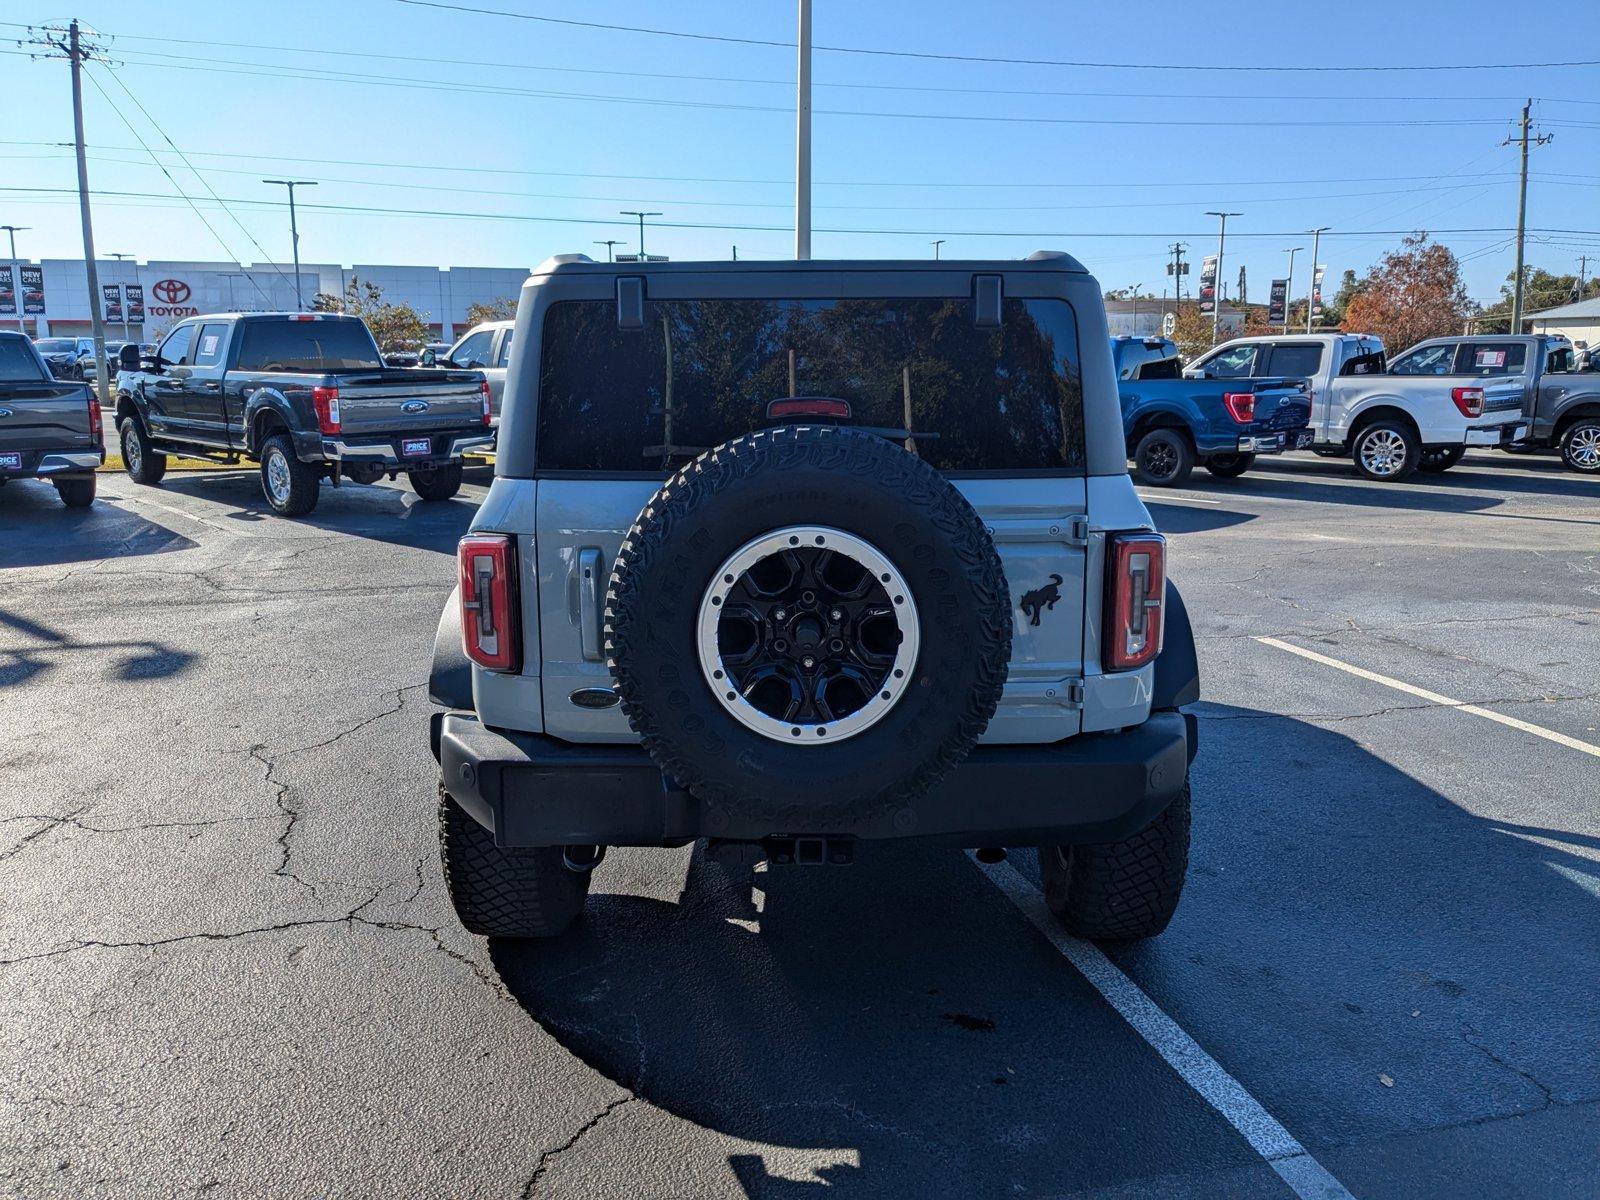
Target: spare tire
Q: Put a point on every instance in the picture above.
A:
(808, 626)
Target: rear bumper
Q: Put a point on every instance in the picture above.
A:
(1496, 435)
(533, 790)
(386, 451)
(39, 463)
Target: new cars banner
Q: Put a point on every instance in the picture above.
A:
(113, 298)
(1208, 285)
(8, 292)
(33, 290)
(1316, 289)
(1277, 302)
(135, 295)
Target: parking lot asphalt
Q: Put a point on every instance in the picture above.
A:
(229, 966)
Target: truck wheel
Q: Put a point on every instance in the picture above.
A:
(1163, 458)
(143, 464)
(1119, 891)
(437, 483)
(1580, 446)
(1438, 461)
(291, 486)
(808, 628)
(527, 893)
(1385, 451)
(77, 492)
(1230, 466)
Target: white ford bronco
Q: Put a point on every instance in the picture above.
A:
(795, 558)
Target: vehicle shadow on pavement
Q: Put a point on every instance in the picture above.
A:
(37, 531)
(1343, 921)
(1442, 492)
(1177, 517)
(46, 647)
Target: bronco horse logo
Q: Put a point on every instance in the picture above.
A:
(1036, 601)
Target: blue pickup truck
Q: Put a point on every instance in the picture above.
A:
(1171, 423)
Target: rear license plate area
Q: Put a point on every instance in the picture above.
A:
(10, 462)
(1302, 439)
(416, 447)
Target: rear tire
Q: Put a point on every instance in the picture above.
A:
(1385, 451)
(77, 492)
(1163, 458)
(1121, 891)
(1580, 446)
(1230, 466)
(438, 483)
(290, 486)
(1438, 461)
(143, 464)
(496, 892)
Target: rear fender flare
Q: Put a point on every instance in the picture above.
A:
(1177, 677)
(260, 402)
(450, 679)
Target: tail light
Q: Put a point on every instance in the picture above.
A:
(326, 400)
(1469, 400)
(1136, 584)
(488, 400)
(95, 419)
(1241, 406)
(489, 618)
(808, 406)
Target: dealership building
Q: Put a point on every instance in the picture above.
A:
(54, 292)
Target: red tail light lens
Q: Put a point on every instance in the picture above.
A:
(1136, 585)
(1241, 406)
(488, 400)
(489, 616)
(808, 406)
(95, 426)
(326, 400)
(1469, 400)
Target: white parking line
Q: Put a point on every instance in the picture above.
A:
(1165, 496)
(1411, 689)
(146, 501)
(1306, 1177)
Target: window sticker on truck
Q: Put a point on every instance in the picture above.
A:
(1490, 358)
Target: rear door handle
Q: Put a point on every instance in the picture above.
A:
(591, 598)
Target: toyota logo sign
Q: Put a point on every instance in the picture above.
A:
(171, 291)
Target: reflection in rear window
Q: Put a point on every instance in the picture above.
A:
(703, 371)
(307, 346)
(17, 362)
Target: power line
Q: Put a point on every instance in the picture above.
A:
(976, 58)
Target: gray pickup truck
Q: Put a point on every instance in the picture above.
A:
(798, 558)
(307, 396)
(49, 427)
(1542, 376)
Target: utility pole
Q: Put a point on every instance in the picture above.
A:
(294, 234)
(16, 270)
(1288, 285)
(633, 212)
(736, 254)
(1311, 292)
(937, 242)
(1136, 288)
(1522, 210)
(124, 305)
(1222, 237)
(1176, 271)
(802, 137)
(609, 243)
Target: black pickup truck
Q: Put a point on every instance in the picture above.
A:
(306, 395)
(49, 427)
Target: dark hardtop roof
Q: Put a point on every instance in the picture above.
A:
(1039, 260)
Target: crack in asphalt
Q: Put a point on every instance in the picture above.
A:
(1470, 1036)
(549, 1156)
(28, 840)
(58, 819)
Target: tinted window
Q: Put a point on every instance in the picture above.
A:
(213, 341)
(1237, 363)
(1428, 360)
(1491, 358)
(474, 348)
(17, 362)
(175, 349)
(55, 345)
(307, 346)
(1294, 361)
(703, 371)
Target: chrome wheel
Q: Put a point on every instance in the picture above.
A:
(808, 634)
(277, 477)
(1383, 452)
(132, 452)
(1583, 448)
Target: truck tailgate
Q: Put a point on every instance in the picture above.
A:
(404, 400)
(1281, 405)
(45, 416)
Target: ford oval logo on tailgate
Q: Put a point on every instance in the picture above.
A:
(414, 406)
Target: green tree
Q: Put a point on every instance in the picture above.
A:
(503, 309)
(1540, 290)
(1416, 292)
(394, 326)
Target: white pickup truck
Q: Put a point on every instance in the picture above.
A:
(1421, 411)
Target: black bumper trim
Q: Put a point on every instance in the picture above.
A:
(534, 790)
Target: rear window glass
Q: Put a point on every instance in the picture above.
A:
(1295, 361)
(17, 361)
(703, 371)
(307, 346)
(1496, 358)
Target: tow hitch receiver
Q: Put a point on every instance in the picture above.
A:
(804, 851)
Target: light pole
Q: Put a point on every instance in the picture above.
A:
(230, 276)
(16, 271)
(936, 243)
(1288, 285)
(608, 243)
(633, 212)
(1216, 293)
(294, 233)
(802, 136)
(1311, 292)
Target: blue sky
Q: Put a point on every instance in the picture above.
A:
(465, 135)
